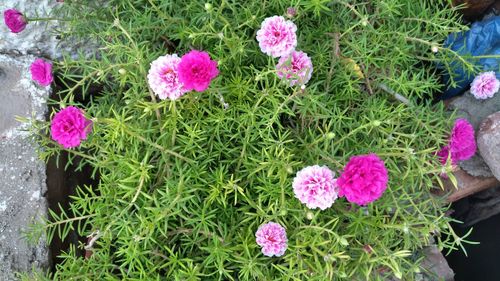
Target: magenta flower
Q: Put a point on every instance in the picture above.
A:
(295, 68)
(363, 180)
(41, 72)
(316, 187)
(14, 20)
(272, 238)
(69, 127)
(196, 70)
(485, 85)
(443, 155)
(277, 36)
(164, 79)
(462, 143)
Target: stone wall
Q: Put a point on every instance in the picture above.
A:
(23, 186)
(22, 174)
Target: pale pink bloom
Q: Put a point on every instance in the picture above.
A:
(485, 85)
(363, 180)
(277, 36)
(295, 68)
(196, 71)
(461, 144)
(272, 238)
(69, 127)
(315, 186)
(14, 20)
(41, 72)
(163, 77)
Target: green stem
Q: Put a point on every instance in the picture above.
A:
(44, 19)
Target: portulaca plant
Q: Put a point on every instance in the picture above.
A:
(255, 140)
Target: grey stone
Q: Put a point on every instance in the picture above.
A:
(22, 202)
(35, 39)
(488, 142)
(474, 110)
(15, 101)
(435, 265)
(22, 174)
(476, 167)
(40, 37)
(478, 207)
(19, 95)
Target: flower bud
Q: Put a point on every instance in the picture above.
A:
(291, 12)
(310, 215)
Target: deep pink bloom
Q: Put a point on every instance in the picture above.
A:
(196, 71)
(69, 127)
(164, 79)
(443, 154)
(363, 180)
(277, 36)
(462, 143)
(485, 85)
(14, 20)
(41, 72)
(315, 186)
(295, 68)
(272, 238)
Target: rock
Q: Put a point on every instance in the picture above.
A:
(467, 185)
(474, 8)
(475, 111)
(23, 188)
(35, 39)
(476, 167)
(436, 266)
(478, 207)
(488, 142)
(39, 38)
(19, 95)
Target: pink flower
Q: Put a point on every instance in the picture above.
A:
(69, 126)
(41, 72)
(485, 85)
(295, 68)
(14, 20)
(164, 79)
(363, 180)
(443, 154)
(462, 143)
(315, 186)
(277, 36)
(272, 238)
(196, 70)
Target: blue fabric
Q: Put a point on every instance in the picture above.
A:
(483, 38)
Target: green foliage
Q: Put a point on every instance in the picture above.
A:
(184, 185)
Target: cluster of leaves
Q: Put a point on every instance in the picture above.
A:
(185, 184)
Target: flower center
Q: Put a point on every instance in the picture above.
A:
(271, 238)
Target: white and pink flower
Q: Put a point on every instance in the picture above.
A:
(277, 36)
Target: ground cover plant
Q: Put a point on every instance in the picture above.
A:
(225, 155)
